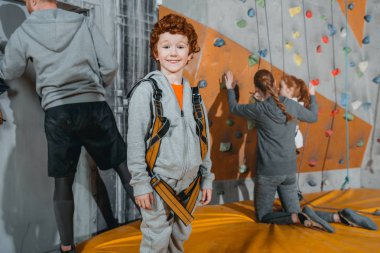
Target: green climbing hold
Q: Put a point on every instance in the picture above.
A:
(360, 143)
(348, 116)
(250, 124)
(230, 122)
(359, 73)
(347, 50)
(323, 17)
(253, 59)
(261, 3)
(225, 146)
(241, 23)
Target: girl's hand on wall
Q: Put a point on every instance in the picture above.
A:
(206, 196)
(229, 78)
(312, 90)
(145, 201)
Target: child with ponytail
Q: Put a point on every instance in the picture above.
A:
(275, 119)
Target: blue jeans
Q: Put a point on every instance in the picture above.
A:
(265, 191)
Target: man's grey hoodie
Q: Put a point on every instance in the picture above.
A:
(71, 58)
(276, 146)
(179, 155)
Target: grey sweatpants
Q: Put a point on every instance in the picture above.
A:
(161, 232)
(264, 195)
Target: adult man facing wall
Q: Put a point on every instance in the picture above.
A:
(73, 64)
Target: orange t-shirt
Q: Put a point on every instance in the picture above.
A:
(178, 90)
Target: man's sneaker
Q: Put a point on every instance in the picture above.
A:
(316, 222)
(352, 218)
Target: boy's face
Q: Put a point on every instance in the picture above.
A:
(172, 52)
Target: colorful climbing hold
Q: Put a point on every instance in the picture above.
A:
(289, 45)
(251, 12)
(376, 80)
(311, 182)
(344, 99)
(325, 39)
(352, 64)
(243, 168)
(309, 14)
(318, 49)
(253, 59)
(202, 83)
(219, 42)
(359, 73)
(238, 134)
(350, 6)
(260, 3)
(296, 35)
(297, 59)
(363, 66)
(241, 23)
(348, 116)
(263, 52)
(360, 143)
(328, 132)
(314, 82)
(230, 122)
(312, 163)
(294, 11)
(335, 72)
(378, 140)
(324, 18)
(367, 18)
(334, 112)
(356, 104)
(347, 50)
(341, 161)
(332, 29)
(366, 40)
(225, 146)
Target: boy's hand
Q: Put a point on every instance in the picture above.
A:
(229, 78)
(145, 201)
(206, 196)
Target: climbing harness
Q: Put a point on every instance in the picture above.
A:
(160, 127)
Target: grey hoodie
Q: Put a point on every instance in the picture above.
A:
(179, 156)
(72, 65)
(276, 146)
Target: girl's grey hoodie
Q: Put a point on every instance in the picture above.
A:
(276, 146)
(179, 156)
(72, 64)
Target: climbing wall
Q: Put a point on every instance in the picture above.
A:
(310, 40)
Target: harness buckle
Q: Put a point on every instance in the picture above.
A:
(156, 176)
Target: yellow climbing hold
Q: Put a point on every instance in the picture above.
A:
(294, 11)
(289, 45)
(297, 59)
(296, 35)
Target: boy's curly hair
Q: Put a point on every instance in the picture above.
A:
(174, 24)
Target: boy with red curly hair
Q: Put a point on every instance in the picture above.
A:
(180, 159)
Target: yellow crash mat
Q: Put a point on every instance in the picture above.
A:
(232, 228)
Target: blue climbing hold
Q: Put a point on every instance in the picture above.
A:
(366, 40)
(366, 106)
(219, 42)
(352, 64)
(367, 18)
(332, 29)
(344, 99)
(376, 80)
(202, 84)
(351, 6)
(263, 53)
(251, 13)
(341, 161)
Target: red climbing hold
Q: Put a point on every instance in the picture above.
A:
(325, 39)
(312, 163)
(314, 82)
(335, 72)
(319, 49)
(309, 14)
(328, 132)
(334, 112)
(378, 140)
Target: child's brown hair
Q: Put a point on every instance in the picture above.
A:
(264, 81)
(300, 89)
(174, 24)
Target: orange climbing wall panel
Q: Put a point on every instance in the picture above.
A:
(355, 17)
(211, 63)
